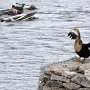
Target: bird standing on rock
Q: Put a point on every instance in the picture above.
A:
(83, 50)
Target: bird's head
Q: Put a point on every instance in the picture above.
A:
(74, 33)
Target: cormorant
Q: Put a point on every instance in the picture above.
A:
(83, 50)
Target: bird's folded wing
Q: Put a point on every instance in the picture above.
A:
(87, 45)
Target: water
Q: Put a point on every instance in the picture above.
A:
(25, 46)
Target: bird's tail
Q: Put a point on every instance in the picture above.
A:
(89, 44)
(89, 47)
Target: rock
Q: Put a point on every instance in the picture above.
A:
(56, 73)
(87, 74)
(57, 69)
(57, 88)
(40, 86)
(53, 88)
(73, 66)
(84, 67)
(77, 79)
(69, 74)
(46, 88)
(49, 84)
(85, 83)
(54, 84)
(57, 84)
(45, 78)
(47, 73)
(61, 78)
(71, 86)
(84, 89)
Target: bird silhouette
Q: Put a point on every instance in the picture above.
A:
(82, 49)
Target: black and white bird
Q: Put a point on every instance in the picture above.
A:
(83, 50)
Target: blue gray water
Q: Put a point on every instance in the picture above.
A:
(25, 46)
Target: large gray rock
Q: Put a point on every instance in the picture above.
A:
(68, 75)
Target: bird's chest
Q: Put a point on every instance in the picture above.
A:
(77, 46)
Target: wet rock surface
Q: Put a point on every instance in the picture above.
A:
(67, 75)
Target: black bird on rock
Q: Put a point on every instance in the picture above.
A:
(83, 50)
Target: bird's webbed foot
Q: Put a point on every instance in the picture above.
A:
(80, 59)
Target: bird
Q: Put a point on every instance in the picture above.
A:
(82, 49)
